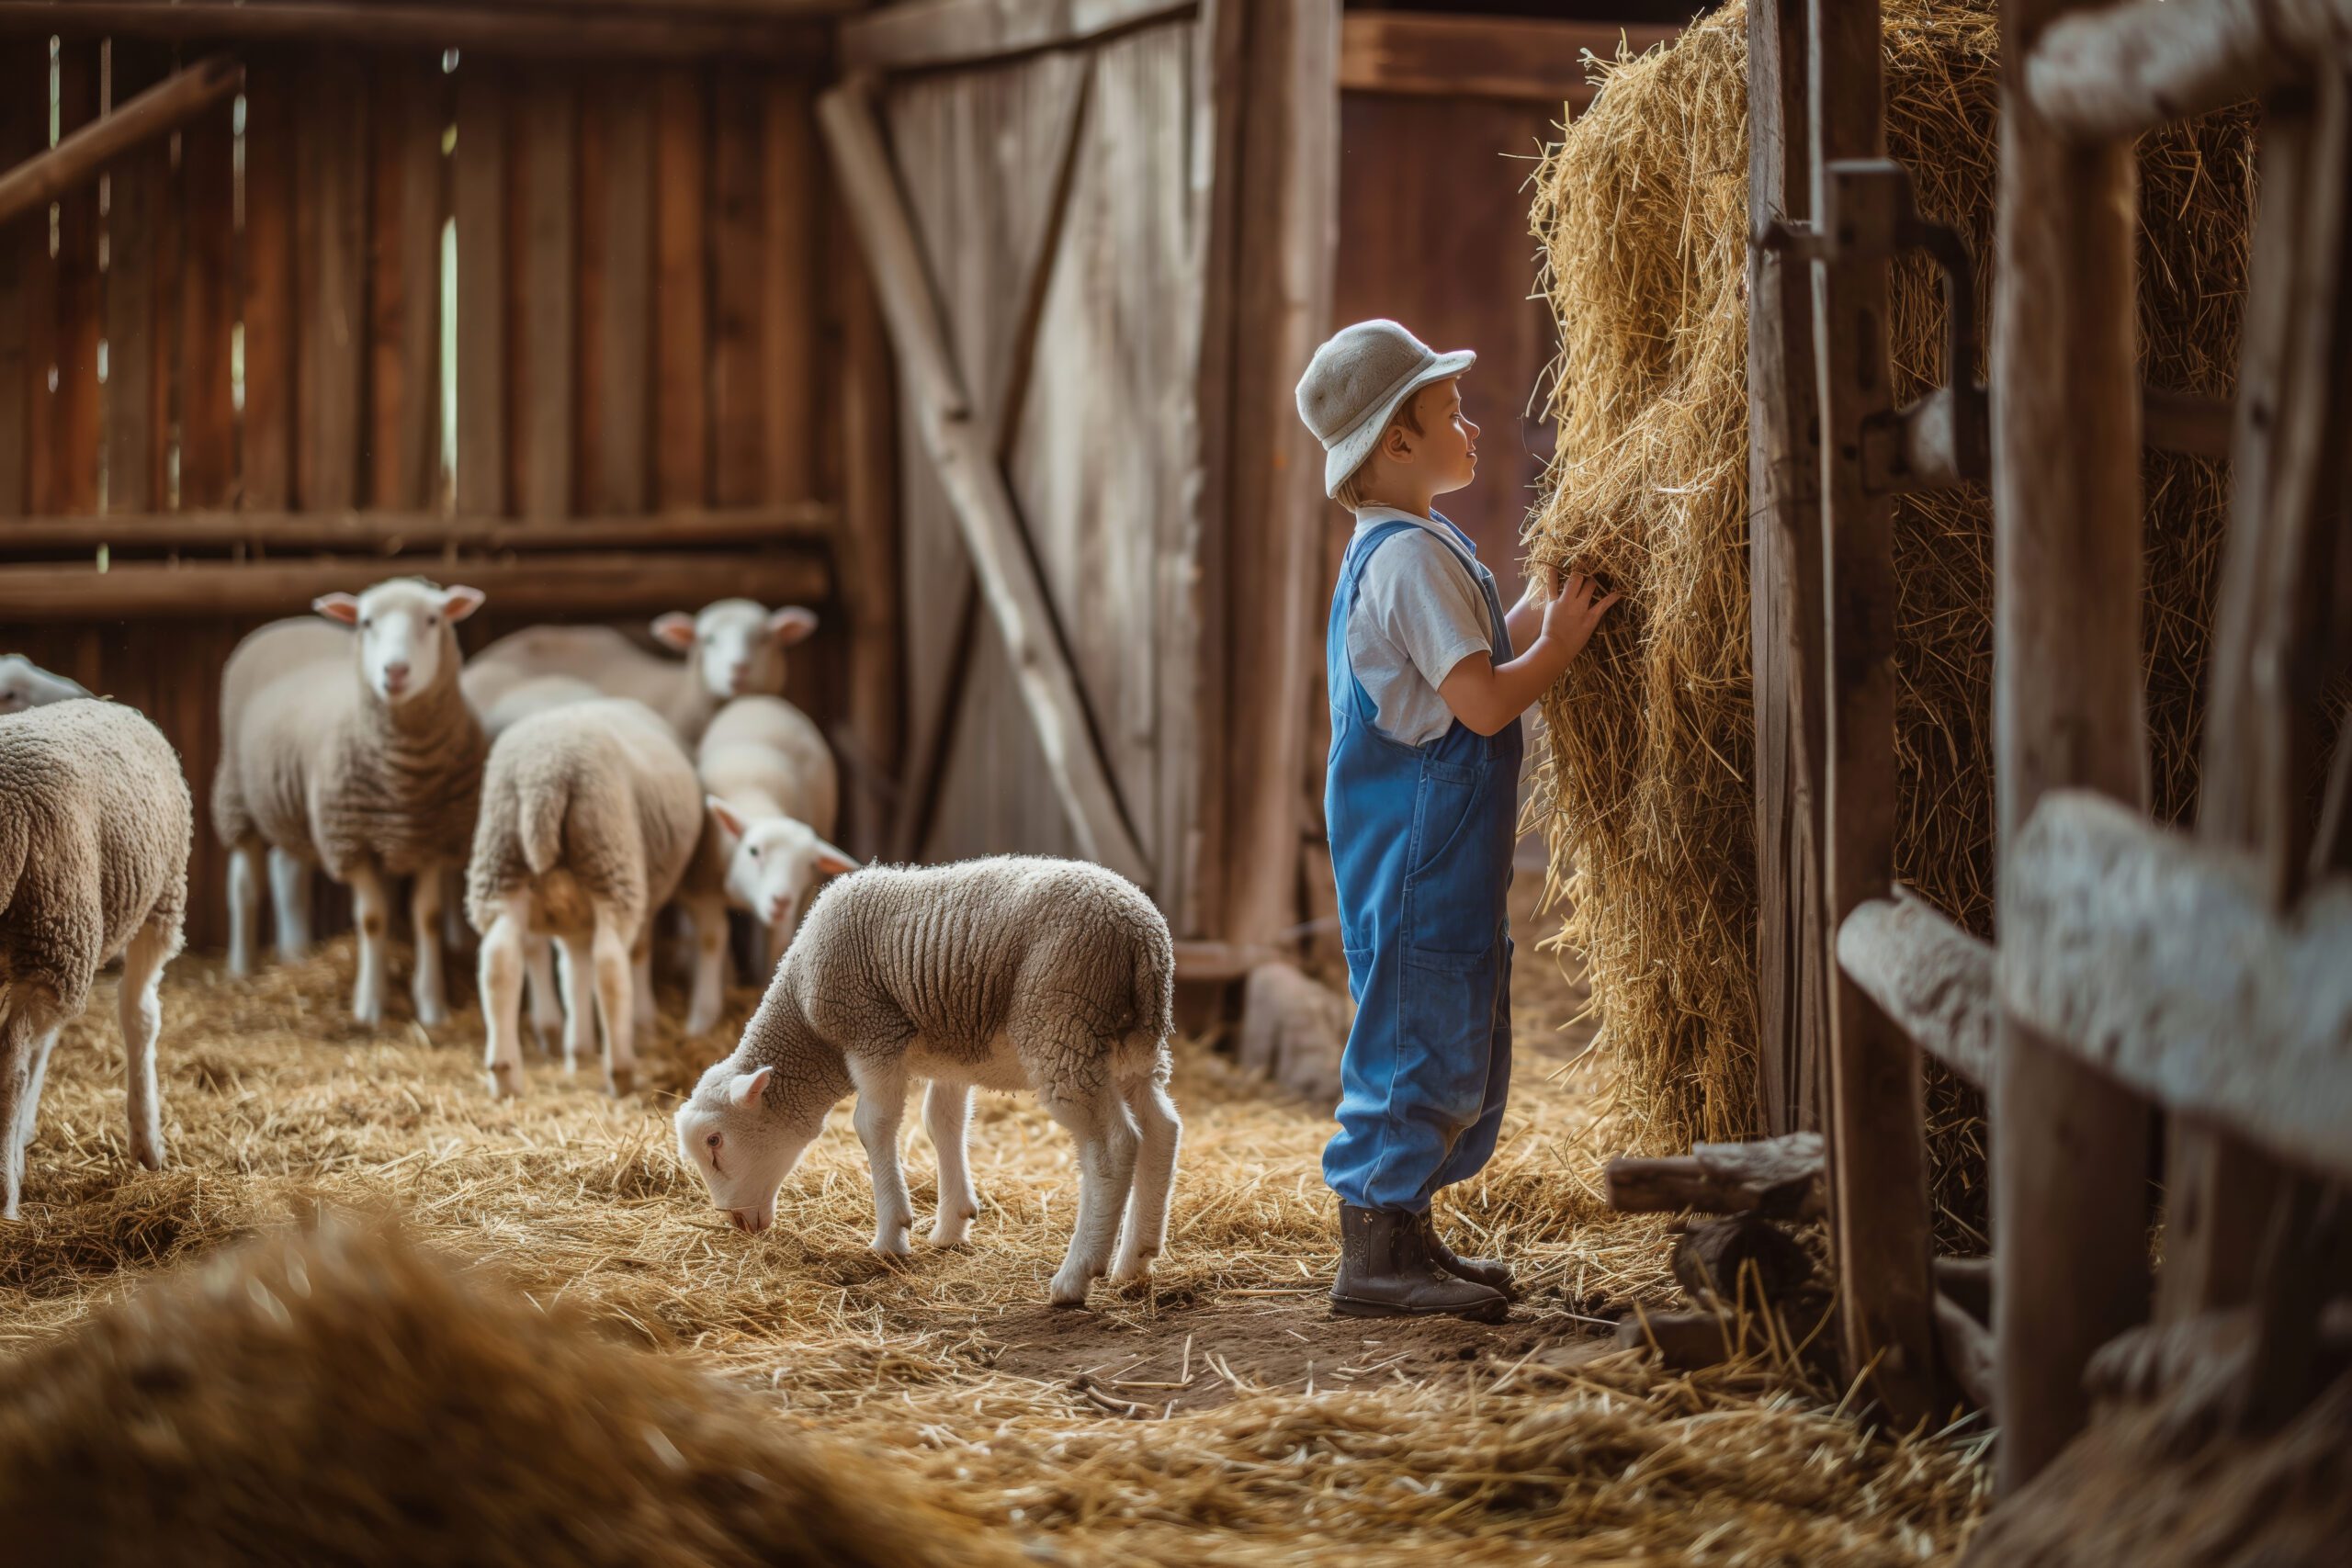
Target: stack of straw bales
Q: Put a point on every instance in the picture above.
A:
(1643, 212)
(345, 1398)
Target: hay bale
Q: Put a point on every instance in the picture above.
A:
(1643, 212)
(343, 1397)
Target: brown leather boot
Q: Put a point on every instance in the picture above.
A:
(1491, 1272)
(1385, 1270)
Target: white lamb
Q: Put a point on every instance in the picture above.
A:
(732, 648)
(1005, 973)
(358, 753)
(590, 816)
(24, 684)
(774, 794)
(94, 821)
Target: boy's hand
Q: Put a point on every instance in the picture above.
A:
(1574, 612)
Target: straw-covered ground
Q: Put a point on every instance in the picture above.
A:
(1221, 1415)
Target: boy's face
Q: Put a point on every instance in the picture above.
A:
(1447, 450)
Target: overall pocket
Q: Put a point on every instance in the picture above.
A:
(1452, 900)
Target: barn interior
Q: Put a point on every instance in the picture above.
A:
(1900, 1166)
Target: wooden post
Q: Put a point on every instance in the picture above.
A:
(2070, 1148)
(1878, 1113)
(1785, 569)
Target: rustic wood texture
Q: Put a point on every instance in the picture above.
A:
(1783, 1177)
(1791, 671)
(477, 197)
(2162, 962)
(2108, 74)
(806, 523)
(789, 40)
(65, 409)
(208, 313)
(1929, 975)
(2070, 1148)
(791, 300)
(24, 247)
(681, 335)
(1877, 1110)
(617, 160)
(410, 109)
(1965, 1345)
(330, 267)
(150, 101)
(1481, 57)
(137, 187)
(867, 548)
(266, 426)
(1742, 1258)
(931, 33)
(543, 378)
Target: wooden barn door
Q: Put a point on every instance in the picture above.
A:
(1039, 206)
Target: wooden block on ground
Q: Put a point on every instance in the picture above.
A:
(1294, 1030)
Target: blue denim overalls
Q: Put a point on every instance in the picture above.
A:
(1422, 839)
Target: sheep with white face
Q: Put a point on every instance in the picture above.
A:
(772, 864)
(24, 684)
(737, 647)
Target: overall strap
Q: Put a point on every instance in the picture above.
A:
(1343, 604)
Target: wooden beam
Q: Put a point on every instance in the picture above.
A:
(931, 33)
(1877, 1110)
(2109, 75)
(82, 156)
(1929, 975)
(580, 582)
(2160, 962)
(1780, 1177)
(365, 23)
(1786, 629)
(2184, 422)
(1967, 1351)
(804, 524)
(1481, 57)
(974, 481)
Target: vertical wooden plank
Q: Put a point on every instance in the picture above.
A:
(682, 334)
(134, 187)
(617, 294)
(737, 386)
(331, 223)
(867, 551)
(2070, 1148)
(545, 304)
(409, 112)
(208, 190)
(788, 311)
(478, 200)
(24, 248)
(266, 482)
(163, 389)
(65, 425)
(1878, 1112)
(1784, 566)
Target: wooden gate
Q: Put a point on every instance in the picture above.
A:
(1106, 546)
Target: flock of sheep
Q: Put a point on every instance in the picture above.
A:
(583, 784)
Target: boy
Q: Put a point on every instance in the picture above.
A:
(1421, 800)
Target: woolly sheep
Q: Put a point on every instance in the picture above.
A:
(590, 816)
(24, 684)
(1001, 974)
(774, 797)
(371, 777)
(95, 821)
(732, 648)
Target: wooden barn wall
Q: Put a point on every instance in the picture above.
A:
(643, 305)
(1100, 452)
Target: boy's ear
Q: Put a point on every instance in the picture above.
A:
(1396, 442)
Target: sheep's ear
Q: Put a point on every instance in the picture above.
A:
(337, 607)
(676, 629)
(748, 1086)
(459, 603)
(791, 625)
(832, 862)
(724, 815)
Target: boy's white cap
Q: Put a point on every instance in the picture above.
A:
(1354, 383)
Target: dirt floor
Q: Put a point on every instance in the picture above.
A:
(1220, 1415)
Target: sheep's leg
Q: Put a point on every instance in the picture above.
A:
(244, 907)
(881, 1106)
(640, 958)
(25, 1045)
(142, 1017)
(709, 917)
(501, 990)
(1107, 1166)
(946, 1115)
(547, 1005)
(425, 986)
(578, 1003)
(1145, 1233)
(370, 911)
(289, 902)
(615, 1001)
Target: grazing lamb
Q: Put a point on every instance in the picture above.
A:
(774, 795)
(590, 816)
(93, 840)
(356, 752)
(732, 648)
(24, 684)
(1005, 974)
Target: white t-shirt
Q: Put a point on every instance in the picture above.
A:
(1419, 611)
